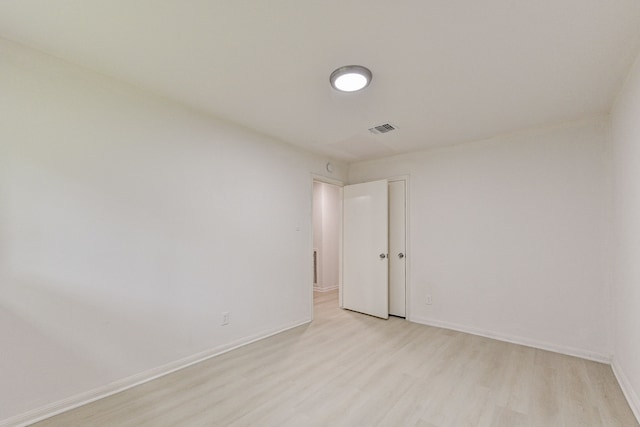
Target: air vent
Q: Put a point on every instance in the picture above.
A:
(387, 127)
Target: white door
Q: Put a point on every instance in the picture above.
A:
(365, 286)
(397, 248)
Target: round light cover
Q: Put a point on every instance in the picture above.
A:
(350, 78)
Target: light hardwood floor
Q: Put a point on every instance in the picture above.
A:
(348, 369)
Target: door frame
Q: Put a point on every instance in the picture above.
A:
(408, 249)
(337, 183)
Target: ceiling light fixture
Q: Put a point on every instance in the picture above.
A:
(350, 78)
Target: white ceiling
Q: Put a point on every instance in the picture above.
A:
(445, 71)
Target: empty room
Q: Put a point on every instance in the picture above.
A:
(337, 213)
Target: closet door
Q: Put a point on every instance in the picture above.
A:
(397, 248)
(365, 285)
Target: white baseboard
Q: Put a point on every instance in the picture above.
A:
(627, 388)
(73, 402)
(81, 399)
(332, 288)
(570, 351)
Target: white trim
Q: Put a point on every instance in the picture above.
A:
(327, 180)
(332, 288)
(98, 393)
(627, 388)
(542, 345)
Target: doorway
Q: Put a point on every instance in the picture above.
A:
(330, 245)
(327, 229)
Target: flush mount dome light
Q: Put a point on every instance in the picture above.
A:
(350, 78)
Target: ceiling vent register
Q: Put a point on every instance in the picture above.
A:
(387, 127)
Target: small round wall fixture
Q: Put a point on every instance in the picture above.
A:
(350, 78)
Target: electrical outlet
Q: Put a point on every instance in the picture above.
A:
(225, 318)
(428, 300)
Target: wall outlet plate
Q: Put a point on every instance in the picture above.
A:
(225, 318)
(428, 300)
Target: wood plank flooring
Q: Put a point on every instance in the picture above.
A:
(348, 369)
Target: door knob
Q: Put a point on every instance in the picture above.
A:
(383, 256)
(400, 255)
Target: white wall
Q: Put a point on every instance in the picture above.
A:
(625, 126)
(317, 230)
(508, 236)
(128, 224)
(331, 224)
(326, 229)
